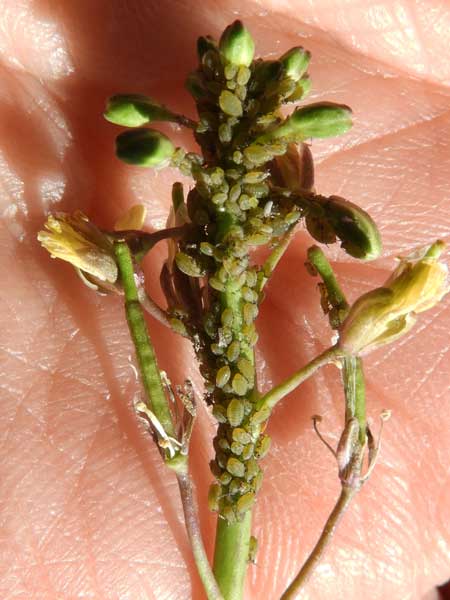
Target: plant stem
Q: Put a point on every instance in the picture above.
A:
(278, 392)
(157, 401)
(355, 393)
(151, 378)
(191, 519)
(326, 537)
(231, 555)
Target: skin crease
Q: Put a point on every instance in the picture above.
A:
(86, 508)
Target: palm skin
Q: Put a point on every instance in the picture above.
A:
(87, 509)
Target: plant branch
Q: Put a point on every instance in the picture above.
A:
(324, 541)
(278, 392)
(190, 510)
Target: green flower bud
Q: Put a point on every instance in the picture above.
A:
(295, 62)
(320, 120)
(237, 45)
(144, 148)
(355, 228)
(195, 85)
(135, 110)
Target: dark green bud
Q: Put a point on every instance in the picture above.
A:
(355, 228)
(295, 62)
(144, 148)
(320, 120)
(237, 45)
(195, 85)
(135, 110)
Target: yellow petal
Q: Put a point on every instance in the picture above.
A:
(134, 218)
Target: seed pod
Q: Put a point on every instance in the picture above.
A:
(239, 384)
(144, 148)
(237, 45)
(235, 467)
(213, 497)
(230, 104)
(241, 436)
(260, 416)
(223, 376)
(245, 502)
(295, 62)
(262, 447)
(189, 265)
(235, 412)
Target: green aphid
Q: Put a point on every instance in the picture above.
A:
(247, 369)
(248, 451)
(260, 416)
(240, 385)
(225, 478)
(233, 351)
(240, 435)
(229, 514)
(245, 502)
(230, 104)
(235, 412)
(235, 467)
(189, 265)
(252, 469)
(237, 448)
(220, 413)
(223, 376)
(249, 312)
(252, 549)
(227, 317)
(213, 497)
(263, 446)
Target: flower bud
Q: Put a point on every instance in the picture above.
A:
(135, 110)
(320, 120)
(144, 148)
(355, 228)
(295, 62)
(386, 313)
(237, 45)
(205, 43)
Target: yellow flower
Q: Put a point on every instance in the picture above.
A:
(386, 313)
(75, 239)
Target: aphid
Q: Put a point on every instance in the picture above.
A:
(235, 412)
(247, 369)
(249, 312)
(260, 416)
(220, 413)
(223, 376)
(227, 317)
(233, 351)
(245, 502)
(188, 265)
(237, 448)
(252, 469)
(230, 104)
(252, 549)
(263, 446)
(241, 436)
(234, 193)
(213, 497)
(235, 467)
(239, 385)
(248, 451)
(225, 478)
(229, 514)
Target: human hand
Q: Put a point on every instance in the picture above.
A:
(87, 507)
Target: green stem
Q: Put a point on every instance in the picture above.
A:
(195, 537)
(326, 537)
(278, 392)
(157, 401)
(231, 555)
(151, 378)
(355, 393)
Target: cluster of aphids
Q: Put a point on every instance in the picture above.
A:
(248, 190)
